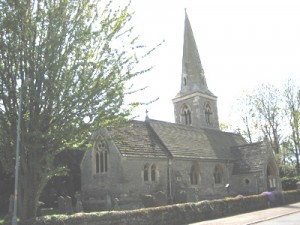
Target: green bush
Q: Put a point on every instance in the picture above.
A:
(289, 183)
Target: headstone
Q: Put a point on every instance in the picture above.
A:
(160, 198)
(11, 204)
(108, 202)
(78, 207)
(69, 206)
(147, 200)
(61, 205)
(181, 196)
(116, 204)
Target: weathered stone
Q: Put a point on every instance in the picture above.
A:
(78, 207)
(69, 206)
(61, 205)
(148, 200)
(160, 198)
(116, 204)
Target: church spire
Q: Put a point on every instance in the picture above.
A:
(194, 105)
(193, 79)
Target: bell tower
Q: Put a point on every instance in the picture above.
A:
(195, 104)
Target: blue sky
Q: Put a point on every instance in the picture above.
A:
(241, 44)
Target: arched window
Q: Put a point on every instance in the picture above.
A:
(195, 175)
(101, 156)
(186, 115)
(97, 163)
(218, 174)
(146, 172)
(208, 113)
(153, 172)
(271, 178)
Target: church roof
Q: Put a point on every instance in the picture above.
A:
(250, 158)
(184, 141)
(163, 139)
(136, 139)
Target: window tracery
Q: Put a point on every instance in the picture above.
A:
(187, 115)
(208, 113)
(101, 156)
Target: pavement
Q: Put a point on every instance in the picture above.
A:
(255, 217)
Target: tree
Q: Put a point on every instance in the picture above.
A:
(267, 103)
(72, 61)
(248, 116)
(262, 115)
(292, 101)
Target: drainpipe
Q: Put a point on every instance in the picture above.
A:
(170, 180)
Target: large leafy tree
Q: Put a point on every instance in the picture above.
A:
(71, 60)
(262, 115)
(292, 109)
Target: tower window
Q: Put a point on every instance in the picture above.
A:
(184, 81)
(208, 113)
(101, 156)
(187, 116)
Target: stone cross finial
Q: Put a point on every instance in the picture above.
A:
(147, 117)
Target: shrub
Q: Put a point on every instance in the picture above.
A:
(289, 183)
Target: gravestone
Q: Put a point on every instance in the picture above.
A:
(78, 207)
(69, 206)
(116, 204)
(160, 198)
(61, 205)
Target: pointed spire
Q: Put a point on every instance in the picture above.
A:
(193, 78)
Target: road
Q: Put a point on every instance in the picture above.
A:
(280, 215)
(291, 219)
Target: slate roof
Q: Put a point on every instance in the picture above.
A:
(250, 158)
(189, 142)
(136, 139)
(163, 139)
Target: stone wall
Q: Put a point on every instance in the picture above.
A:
(173, 214)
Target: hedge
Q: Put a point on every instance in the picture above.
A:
(172, 214)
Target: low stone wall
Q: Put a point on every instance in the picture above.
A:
(178, 214)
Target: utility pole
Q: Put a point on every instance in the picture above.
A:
(14, 218)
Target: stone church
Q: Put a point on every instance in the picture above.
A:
(189, 160)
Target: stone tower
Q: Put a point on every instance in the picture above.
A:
(194, 105)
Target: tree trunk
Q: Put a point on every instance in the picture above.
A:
(28, 199)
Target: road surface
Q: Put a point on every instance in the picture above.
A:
(283, 215)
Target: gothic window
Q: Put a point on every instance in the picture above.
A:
(186, 115)
(271, 176)
(195, 174)
(208, 113)
(150, 173)
(218, 174)
(101, 156)
(146, 172)
(97, 163)
(153, 172)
